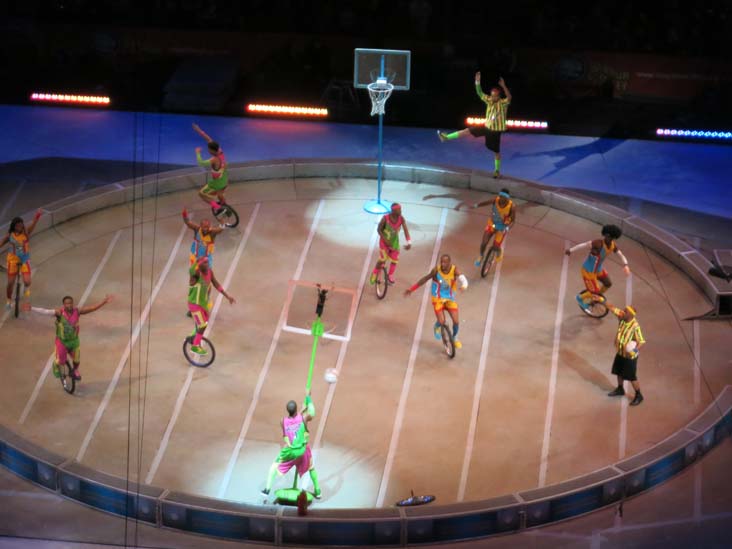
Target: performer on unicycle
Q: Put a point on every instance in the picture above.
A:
(594, 276)
(213, 192)
(444, 281)
(389, 228)
(204, 236)
(199, 288)
(18, 257)
(503, 216)
(67, 332)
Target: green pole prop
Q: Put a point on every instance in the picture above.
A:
(317, 330)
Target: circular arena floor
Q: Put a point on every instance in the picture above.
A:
(522, 405)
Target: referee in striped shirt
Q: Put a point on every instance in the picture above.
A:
(628, 340)
(495, 121)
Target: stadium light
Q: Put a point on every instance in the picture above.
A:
(71, 99)
(287, 110)
(693, 134)
(514, 124)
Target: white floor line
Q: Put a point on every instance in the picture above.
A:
(189, 377)
(11, 201)
(7, 312)
(267, 361)
(479, 381)
(5, 316)
(697, 361)
(396, 431)
(81, 302)
(128, 349)
(553, 375)
(698, 492)
(623, 432)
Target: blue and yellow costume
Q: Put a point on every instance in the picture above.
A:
(592, 269)
(500, 217)
(202, 246)
(443, 289)
(18, 257)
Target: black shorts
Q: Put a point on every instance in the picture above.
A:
(492, 138)
(625, 367)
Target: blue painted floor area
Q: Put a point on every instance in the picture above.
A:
(684, 175)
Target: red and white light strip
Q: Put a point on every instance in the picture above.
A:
(519, 124)
(76, 99)
(287, 110)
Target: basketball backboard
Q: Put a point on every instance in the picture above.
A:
(367, 67)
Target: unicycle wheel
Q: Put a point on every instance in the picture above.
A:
(227, 216)
(200, 360)
(447, 341)
(596, 309)
(487, 265)
(67, 377)
(382, 283)
(414, 500)
(16, 305)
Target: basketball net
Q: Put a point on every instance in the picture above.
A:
(379, 92)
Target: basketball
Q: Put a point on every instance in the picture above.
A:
(331, 376)
(630, 347)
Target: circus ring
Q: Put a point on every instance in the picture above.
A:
(522, 470)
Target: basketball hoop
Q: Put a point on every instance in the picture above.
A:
(379, 92)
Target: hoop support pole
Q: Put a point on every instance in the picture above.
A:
(381, 141)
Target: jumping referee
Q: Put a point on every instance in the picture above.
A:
(495, 121)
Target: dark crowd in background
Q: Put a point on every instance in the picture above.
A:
(598, 68)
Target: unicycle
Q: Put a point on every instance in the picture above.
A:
(226, 216)
(490, 257)
(382, 283)
(16, 305)
(66, 376)
(595, 308)
(488, 262)
(200, 360)
(448, 342)
(414, 500)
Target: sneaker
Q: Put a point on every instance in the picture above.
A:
(56, 371)
(318, 494)
(478, 260)
(457, 343)
(76, 375)
(264, 492)
(438, 331)
(496, 174)
(442, 136)
(372, 280)
(637, 400)
(581, 302)
(198, 350)
(392, 280)
(618, 391)
(188, 314)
